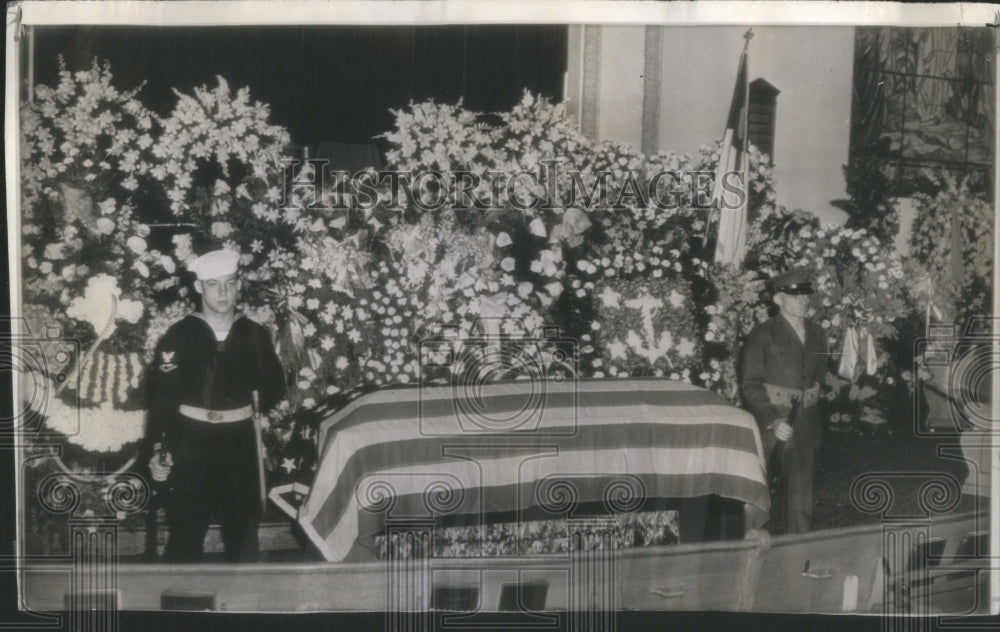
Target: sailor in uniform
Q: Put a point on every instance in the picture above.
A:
(210, 369)
(784, 358)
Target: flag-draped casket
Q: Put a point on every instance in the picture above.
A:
(523, 449)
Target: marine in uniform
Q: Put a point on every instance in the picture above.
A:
(784, 358)
(206, 371)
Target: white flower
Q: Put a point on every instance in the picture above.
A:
(537, 228)
(168, 263)
(504, 240)
(130, 310)
(54, 251)
(222, 229)
(508, 264)
(676, 298)
(182, 247)
(105, 226)
(554, 289)
(524, 289)
(136, 244)
(546, 263)
(610, 298)
(685, 347)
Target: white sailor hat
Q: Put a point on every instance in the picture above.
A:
(215, 264)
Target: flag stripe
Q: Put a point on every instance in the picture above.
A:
(496, 405)
(596, 387)
(586, 439)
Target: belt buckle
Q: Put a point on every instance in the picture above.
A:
(214, 415)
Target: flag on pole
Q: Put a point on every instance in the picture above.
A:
(730, 246)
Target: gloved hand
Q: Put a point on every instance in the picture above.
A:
(160, 470)
(782, 430)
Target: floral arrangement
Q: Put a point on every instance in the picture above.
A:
(644, 326)
(958, 204)
(84, 133)
(532, 537)
(89, 272)
(85, 148)
(215, 136)
(351, 298)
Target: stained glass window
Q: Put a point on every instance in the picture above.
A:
(923, 97)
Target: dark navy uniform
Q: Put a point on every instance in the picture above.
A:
(777, 366)
(200, 406)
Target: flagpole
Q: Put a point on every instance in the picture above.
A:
(746, 140)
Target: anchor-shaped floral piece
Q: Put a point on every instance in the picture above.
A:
(648, 346)
(649, 340)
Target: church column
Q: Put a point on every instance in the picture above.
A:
(590, 96)
(652, 72)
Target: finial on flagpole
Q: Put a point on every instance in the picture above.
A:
(747, 36)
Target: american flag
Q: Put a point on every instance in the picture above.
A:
(294, 468)
(730, 247)
(437, 453)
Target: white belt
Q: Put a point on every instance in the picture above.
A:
(782, 395)
(216, 416)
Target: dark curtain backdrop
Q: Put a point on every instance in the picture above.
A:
(323, 83)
